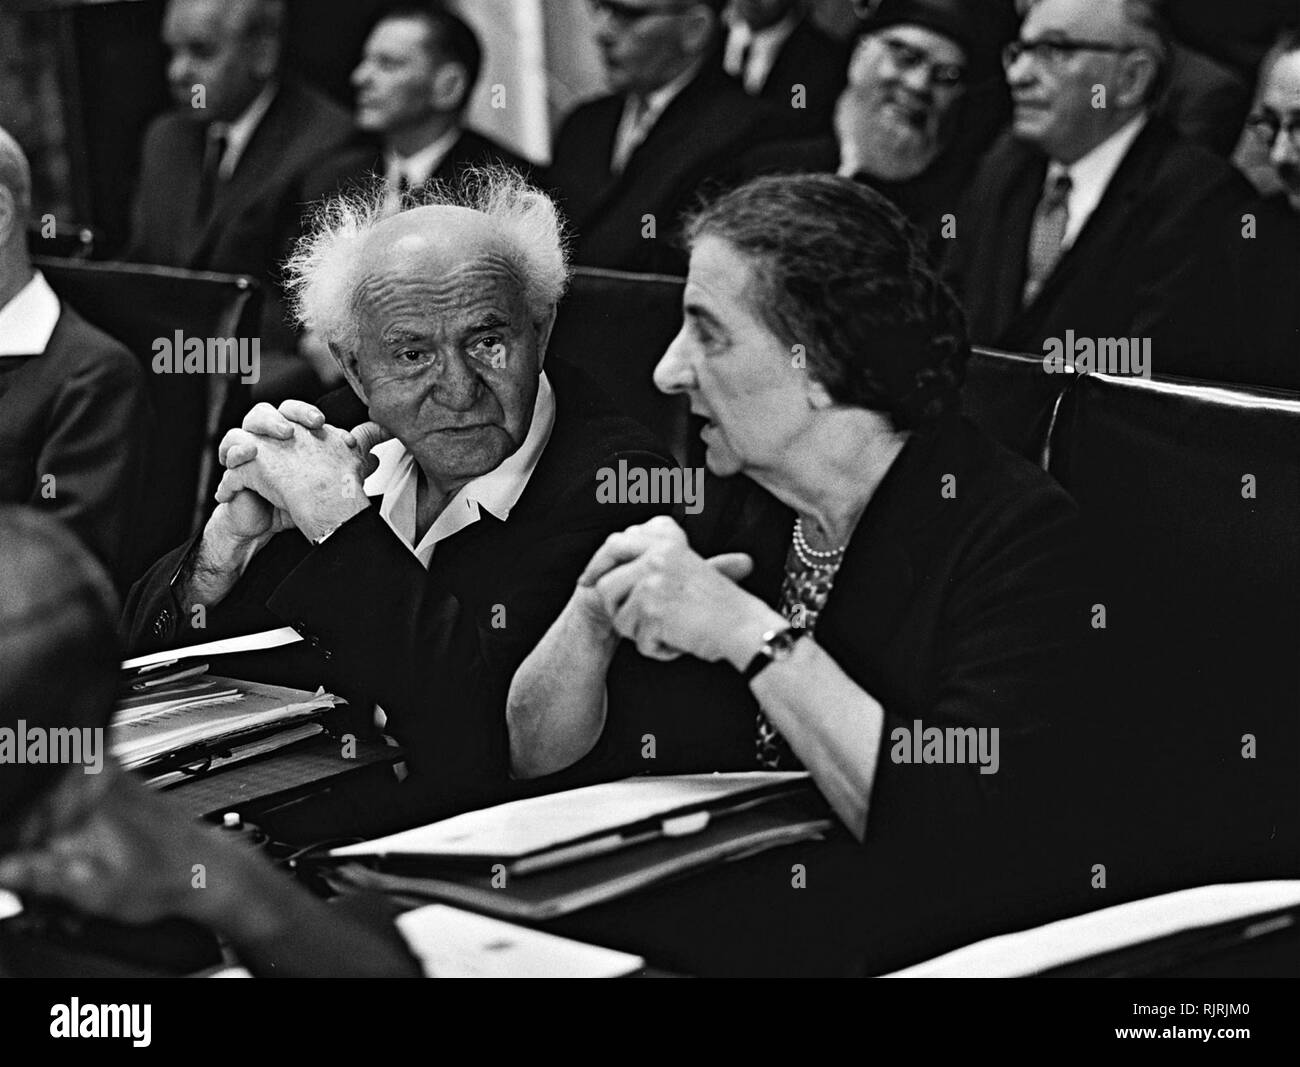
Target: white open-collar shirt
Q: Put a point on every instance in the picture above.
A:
(497, 491)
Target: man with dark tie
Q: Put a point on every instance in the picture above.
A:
(777, 53)
(627, 165)
(221, 176)
(1091, 214)
(416, 77)
(73, 410)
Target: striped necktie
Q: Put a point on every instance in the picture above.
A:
(1048, 234)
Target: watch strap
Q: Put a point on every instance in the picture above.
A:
(776, 645)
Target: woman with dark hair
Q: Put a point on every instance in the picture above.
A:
(902, 620)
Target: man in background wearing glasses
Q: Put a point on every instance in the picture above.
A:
(1092, 214)
(924, 100)
(917, 111)
(1274, 123)
(1270, 264)
(626, 165)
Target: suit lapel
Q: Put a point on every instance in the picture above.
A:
(183, 205)
(663, 144)
(604, 122)
(258, 163)
(1016, 213)
(1105, 227)
(659, 152)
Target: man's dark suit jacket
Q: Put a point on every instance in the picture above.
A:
(471, 149)
(79, 412)
(814, 59)
(925, 200)
(696, 140)
(435, 649)
(1266, 269)
(1148, 262)
(955, 611)
(256, 214)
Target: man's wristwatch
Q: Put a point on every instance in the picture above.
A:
(777, 645)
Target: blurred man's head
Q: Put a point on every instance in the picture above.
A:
(15, 209)
(906, 79)
(645, 44)
(1275, 121)
(439, 315)
(417, 72)
(222, 54)
(760, 14)
(58, 674)
(1082, 69)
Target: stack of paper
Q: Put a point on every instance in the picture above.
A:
(170, 710)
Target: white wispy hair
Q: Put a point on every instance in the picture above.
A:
(321, 275)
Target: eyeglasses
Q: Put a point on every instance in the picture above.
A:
(627, 15)
(1267, 126)
(1054, 53)
(906, 58)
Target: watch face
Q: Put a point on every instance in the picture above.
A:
(780, 644)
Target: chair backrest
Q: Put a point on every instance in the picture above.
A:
(1013, 399)
(68, 242)
(1190, 495)
(614, 326)
(142, 306)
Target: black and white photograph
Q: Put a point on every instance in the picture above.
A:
(650, 489)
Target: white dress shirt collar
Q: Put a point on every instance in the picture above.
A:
(496, 492)
(240, 132)
(419, 166)
(1090, 176)
(27, 322)
(764, 46)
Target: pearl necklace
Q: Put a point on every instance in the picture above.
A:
(809, 556)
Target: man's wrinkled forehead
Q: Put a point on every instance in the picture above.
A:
(448, 255)
(219, 20)
(1102, 20)
(1282, 83)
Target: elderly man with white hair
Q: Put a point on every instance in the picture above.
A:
(420, 585)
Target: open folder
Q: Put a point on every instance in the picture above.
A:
(170, 717)
(552, 855)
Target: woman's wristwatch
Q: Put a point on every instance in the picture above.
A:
(777, 645)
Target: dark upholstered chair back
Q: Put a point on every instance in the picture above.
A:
(138, 305)
(614, 327)
(67, 242)
(1012, 399)
(1190, 495)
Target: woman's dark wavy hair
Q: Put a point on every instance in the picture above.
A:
(840, 271)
